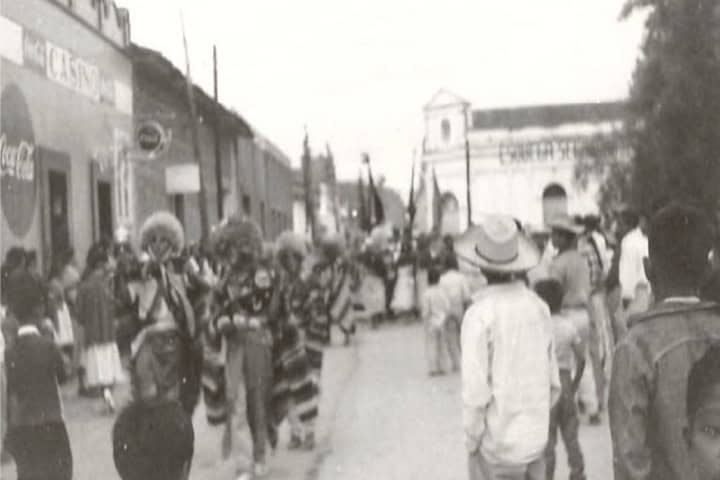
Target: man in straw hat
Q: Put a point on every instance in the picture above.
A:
(165, 356)
(510, 377)
(246, 302)
(572, 270)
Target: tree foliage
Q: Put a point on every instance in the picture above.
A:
(673, 123)
(605, 158)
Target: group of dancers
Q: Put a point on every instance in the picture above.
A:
(244, 325)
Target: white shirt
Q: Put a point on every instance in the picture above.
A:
(509, 374)
(457, 289)
(435, 306)
(633, 249)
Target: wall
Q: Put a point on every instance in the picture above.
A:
(63, 119)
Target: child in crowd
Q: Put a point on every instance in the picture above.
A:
(702, 433)
(153, 441)
(435, 309)
(570, 353)
(37, 438)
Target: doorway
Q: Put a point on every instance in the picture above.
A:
(104, 209)
(59, 224)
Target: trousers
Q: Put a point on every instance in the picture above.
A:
(564, 417)
(481, 469)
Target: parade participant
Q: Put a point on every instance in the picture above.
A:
(246, 305)
(153, 442)
(509, 372)
(403, 295)
(294, 383)
(62, 320)
(435, 309)
(37, 437)
(570, 354)
(165, 356)
(633, 252)
(338, 274)
(571, 269)
(95, 310)
(653, 361)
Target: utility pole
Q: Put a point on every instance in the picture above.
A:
(202, 199)
(218, 157)
(467, 171)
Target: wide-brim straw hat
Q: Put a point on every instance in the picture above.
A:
(496, 245)
(163, 224)
(566, 224)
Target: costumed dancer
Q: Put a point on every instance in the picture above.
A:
(373, 286)
(340, 279)
(241, 327)
(403, 296)
(165, 355)
(295, 391)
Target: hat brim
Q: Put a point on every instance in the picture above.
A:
(528, 256)
(566, 227)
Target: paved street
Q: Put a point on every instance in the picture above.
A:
(381, 417)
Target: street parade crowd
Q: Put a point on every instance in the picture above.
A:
(549, 330)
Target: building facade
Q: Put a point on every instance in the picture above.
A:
(66, 100)
(522, 160)
(255, 176)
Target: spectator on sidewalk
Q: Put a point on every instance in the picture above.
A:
(37, 438)
(703, 415)
(634, 284)
(653, 361)
(509, 373)
(572, 270)
(95, 310)
(458, 291)
(435, 309)
(570, 353)
(153, 441)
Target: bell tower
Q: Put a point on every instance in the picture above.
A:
(447, 118)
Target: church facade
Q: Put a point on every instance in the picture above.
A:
(521, 160)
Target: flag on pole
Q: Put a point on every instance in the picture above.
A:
(412, 208)
(363, 218)
(378, 211)
(436, 205)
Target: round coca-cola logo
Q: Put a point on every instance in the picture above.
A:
(18, 166)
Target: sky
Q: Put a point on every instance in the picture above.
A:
(357, 73)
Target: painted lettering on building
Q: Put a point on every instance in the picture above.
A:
(72, 72)
(17, 161)
(539, 150)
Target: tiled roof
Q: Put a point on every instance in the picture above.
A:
(547, 115)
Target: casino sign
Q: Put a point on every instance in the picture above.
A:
(18, 163)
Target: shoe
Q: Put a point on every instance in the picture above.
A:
(295, 442)
(309, 443)
(261, 470)
(595, 419)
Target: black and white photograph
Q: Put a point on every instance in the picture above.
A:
(334, 240)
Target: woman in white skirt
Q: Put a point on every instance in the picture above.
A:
(101, 357)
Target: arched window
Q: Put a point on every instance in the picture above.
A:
(445, 129)
(449, 214)
(554, 199)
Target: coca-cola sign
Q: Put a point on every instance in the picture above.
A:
(18, 165)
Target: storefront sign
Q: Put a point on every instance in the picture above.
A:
(34, 51)
(183, 178)
(539, 150)
(29, 49)
(17, 161)
(150, 137)
(72, 72)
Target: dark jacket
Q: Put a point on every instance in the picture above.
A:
(95, 309)
(34, 368)
(649, 386)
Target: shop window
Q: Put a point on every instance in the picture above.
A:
(445, 129)
(58, 208)
(554, 202)
(449, 214)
